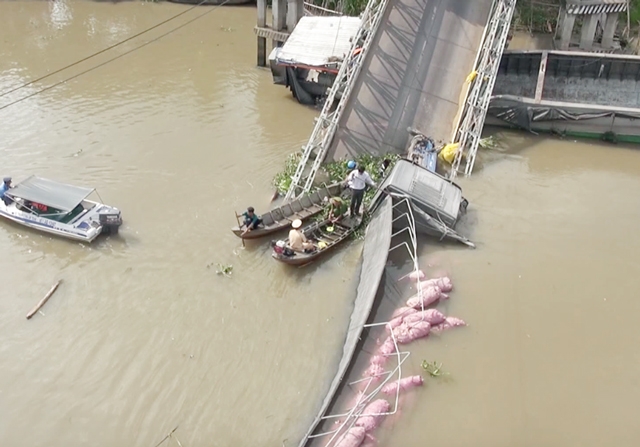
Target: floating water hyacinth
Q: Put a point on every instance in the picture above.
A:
(225, 270)
(433, 369)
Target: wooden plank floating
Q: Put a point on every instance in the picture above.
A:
(43, 300)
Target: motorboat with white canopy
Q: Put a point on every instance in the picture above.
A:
(60, 209)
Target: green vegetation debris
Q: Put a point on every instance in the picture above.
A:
(337, 172)
(433, 369)
(491, 142)
(282, 180)
(346, 7)
(223, 269)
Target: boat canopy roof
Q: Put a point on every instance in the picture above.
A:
(434, 192)
(319, 41)
(49, 192)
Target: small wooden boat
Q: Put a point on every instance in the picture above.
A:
(324, 235)
(280, 218)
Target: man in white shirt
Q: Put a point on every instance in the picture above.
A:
(358, 181)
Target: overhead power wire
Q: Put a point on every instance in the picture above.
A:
(101, 51)
(114, 58)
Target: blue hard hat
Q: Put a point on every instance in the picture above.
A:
(351, 164)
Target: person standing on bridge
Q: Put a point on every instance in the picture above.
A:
(358, 179)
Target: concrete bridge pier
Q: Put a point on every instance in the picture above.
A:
(610, 29)
(589, 26)
(295, 11)
(592, 13)
(567, 22)
(285, 15)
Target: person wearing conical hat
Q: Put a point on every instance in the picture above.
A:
(297, 240)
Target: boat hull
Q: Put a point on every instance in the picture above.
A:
(83, 231)
(301, 259)
(260, 232)
(304, 208)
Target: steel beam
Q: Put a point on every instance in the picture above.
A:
(327, 122)
(469, 129)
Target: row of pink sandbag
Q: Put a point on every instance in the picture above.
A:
(408, 323)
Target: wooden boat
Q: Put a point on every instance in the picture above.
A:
(325, 240)
(281, 217)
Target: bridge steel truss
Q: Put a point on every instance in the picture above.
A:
(469, 127)
(326, 124)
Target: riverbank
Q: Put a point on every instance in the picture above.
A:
(539, 18)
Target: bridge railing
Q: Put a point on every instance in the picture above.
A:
(315, 10)
(469, 127)
(337, 98)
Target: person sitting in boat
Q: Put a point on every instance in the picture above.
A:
(297, 240)
(337, 209)
(6, 185)
(251, 220)
(38, 207)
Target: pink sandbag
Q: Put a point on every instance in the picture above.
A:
(352, 438)
(455, 322)
(401, 334)
(443, 283)
(431, 316)
(374, 371)
(394, 323)
(427, 297)
(414, 276)
(378, 360)
(408, 332)
(388, 347)
(402, 312)
(402, 384)
(372, 417)
(448, 323)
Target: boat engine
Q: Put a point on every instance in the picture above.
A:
(110, 220)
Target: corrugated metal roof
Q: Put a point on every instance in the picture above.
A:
(315, 41)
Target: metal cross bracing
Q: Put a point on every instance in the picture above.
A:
(327, 122)
(469, 129)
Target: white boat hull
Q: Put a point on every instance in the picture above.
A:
(86, 227)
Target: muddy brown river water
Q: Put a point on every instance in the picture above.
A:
(143, 336)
